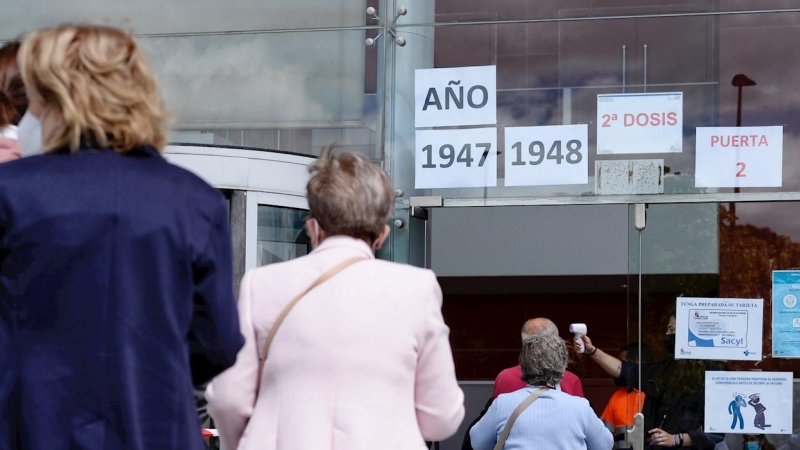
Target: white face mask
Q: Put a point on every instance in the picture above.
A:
(30, 135)
(9, 132)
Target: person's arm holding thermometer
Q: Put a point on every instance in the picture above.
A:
(610, 364)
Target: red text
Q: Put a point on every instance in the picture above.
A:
(753, 140)
(650, 120)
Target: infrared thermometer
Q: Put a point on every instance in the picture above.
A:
(578, 329)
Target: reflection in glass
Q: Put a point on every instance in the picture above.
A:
(461, 11)
(750, 241)
(303, 141)
(294, 92)
(261, 80)
(281, 235)
(550, 73)
(182, 16)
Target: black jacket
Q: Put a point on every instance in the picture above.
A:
(683, 414)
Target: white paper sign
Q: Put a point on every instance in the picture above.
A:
(739, 157)
(719, 328)
(639, 123)
(549, 155)
(455, 97)
(748, 402)
(456, 158)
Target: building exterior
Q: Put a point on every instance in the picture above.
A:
(258, 88)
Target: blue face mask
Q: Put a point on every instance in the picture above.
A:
(751, 446)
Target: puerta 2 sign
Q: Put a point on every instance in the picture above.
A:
(640, 123)
(455, 97)
(739, 157)
(727, 329)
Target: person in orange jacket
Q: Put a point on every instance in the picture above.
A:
(626, 401)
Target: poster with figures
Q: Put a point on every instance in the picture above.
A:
(726, 329)
(748, 402)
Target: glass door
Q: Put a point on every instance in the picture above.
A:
(281, 234)
(700, 303)
(275, 228)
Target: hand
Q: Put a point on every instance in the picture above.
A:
(586, 344)
(661, 438)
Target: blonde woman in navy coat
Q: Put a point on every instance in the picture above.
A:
(115, 272)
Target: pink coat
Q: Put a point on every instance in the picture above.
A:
(362, 362)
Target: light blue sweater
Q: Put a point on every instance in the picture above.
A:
(556, 421)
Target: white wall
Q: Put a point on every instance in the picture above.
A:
(247, 170)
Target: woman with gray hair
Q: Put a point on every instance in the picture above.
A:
(342, 351)
(539, 416)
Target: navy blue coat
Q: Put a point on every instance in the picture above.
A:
(115, 298)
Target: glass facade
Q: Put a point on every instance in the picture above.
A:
(297, 75)
(281, 234)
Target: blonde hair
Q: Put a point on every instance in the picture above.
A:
(97, 80)
(349, 195)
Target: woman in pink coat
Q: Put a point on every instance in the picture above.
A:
(363, 360)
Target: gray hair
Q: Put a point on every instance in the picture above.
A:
(349, 195)
(537, 326)
(543, 360)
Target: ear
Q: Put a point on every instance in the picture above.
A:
(382, 238)
(315, 232)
